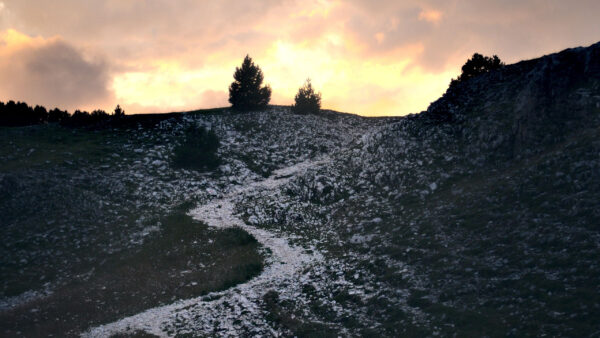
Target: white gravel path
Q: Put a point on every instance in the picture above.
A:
(236, 310)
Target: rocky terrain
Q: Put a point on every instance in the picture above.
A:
(477, 217)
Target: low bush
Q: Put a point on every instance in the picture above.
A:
(477, 65)
(198, 150)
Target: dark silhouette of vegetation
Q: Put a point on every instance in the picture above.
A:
(198, 150)
(57, 115)
(79, 118)
(40, 114)
(307, 100)
(16, 114)
(119, 112)
(477, 65)
(99, 114)
(442, 110)
(246, 92)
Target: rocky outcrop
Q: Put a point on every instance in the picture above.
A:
(528, 104)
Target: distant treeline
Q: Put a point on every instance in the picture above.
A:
(14, 114)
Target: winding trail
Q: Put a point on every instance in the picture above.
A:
(235, 310)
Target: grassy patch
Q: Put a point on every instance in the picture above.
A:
(47, 145)
(182, 260)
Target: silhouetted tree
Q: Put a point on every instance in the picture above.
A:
(99, 113)
(79, 119)
(476, 65)
(246, 93)
(40, 114)
(307, 100)
(57, 115)
(98, 116)
(119, 112)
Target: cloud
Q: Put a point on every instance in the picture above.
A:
(51, 72)
(148, 29)
(450, 31)
(214, 98)
(165, 54)
(430, 15)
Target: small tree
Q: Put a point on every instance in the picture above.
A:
(246, 93)
(476, 65)
(119, 112)
(307, 100)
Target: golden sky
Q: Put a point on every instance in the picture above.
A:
(367, 57)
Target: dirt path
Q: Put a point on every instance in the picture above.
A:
(235, 310)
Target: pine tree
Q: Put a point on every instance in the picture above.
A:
(307, 100)
(119, 112)
(246, 93)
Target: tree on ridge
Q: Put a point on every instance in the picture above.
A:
(246, 92)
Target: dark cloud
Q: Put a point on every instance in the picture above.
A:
(53, 73)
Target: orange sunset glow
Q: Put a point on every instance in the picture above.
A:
(366, 57)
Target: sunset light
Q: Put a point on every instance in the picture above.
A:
(385, 59)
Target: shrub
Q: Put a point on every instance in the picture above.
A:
(307, 100)
(198, 150)
(246, 93)
(476, 65)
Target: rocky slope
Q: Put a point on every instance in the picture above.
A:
(477, 217)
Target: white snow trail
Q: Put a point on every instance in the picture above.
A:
(235, 310)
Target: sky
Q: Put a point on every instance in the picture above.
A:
(367, 57)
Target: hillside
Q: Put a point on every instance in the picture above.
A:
(478, 217)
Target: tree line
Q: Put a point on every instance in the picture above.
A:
(15, 114)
